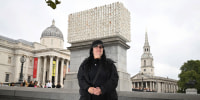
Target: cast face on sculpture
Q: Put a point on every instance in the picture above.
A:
(98, 51)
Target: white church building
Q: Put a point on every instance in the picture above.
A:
(145, 79)
(45, 61)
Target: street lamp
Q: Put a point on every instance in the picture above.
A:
(22, 60)
(142, 81)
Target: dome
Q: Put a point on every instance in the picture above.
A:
(52, 31)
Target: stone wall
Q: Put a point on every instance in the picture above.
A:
(29, 93)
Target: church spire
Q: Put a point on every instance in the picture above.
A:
(146, 46)
(53, 22)
(146, 39)
(147, 58)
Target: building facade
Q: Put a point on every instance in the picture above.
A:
(145, 79)
(46, 60)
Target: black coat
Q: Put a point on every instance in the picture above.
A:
(107, 80)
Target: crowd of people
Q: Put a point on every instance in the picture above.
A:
(35, 84)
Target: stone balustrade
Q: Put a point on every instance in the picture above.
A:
(29, 93)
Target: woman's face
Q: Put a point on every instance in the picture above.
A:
(98, 51)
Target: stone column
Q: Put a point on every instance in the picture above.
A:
(67, 67)
(61, 73)
(163, 87)
(158, 87)
(153, 86)
(38, 69)
(44, 70)
(50, 68)
(166, 87)
(17, 68)
(133, 84)
(56, 76)
(150, 86)
(146, 85)
(142, 85)
(173, 88)
(26, 68)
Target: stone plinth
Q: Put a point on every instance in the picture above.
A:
(115, 49)
(109, 23)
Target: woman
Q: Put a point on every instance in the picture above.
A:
(97, 75)
(31, 84)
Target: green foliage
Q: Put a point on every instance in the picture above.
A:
(52, 4)
(189, 71)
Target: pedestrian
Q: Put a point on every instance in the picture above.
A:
(49, 85)
(31, 84)
(36, 84)
(58, 85)
(25, 83)
(53, 85)
(97, 75)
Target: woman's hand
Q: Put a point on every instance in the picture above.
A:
(97, 91)
(91, 90)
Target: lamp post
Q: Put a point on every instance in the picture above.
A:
(142, 82)
(22, 60)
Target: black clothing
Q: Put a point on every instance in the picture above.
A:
(31, 85)
(24, 83)
(107, 79)
(58, 86)
(53, 86)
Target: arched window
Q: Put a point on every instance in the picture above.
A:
(144, 62)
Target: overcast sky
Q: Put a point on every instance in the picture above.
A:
(173, 27)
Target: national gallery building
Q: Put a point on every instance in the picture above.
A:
(45, 61)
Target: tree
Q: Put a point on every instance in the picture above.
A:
(52, 4)
(190, 72)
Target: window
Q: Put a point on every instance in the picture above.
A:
(9, 60)
(144, 70)
(7, 78)
(144, 62)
